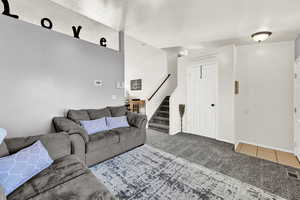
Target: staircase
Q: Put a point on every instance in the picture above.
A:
(160, 119)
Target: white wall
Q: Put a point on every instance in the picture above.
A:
(148, 63)
(264, 107)
(225, 58)
(172, 64)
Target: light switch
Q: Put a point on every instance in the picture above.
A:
(114, 97)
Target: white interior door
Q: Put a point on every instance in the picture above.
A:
(297, 107)
(201, 100)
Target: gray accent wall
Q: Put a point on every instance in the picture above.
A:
(44, 73)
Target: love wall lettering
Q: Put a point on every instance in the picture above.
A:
(47, 23)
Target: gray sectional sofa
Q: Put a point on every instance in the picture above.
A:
(67, 178)
(92, 149)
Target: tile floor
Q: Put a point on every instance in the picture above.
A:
(280, 157)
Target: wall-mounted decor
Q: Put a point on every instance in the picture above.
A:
(76, 31)
(47, 23)
(136, 84)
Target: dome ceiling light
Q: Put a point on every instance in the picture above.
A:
(261, 36)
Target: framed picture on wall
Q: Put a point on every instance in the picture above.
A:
(136, 84)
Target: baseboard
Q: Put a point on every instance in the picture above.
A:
(265, 146)
(224, 140)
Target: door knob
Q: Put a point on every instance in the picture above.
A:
(212, 105)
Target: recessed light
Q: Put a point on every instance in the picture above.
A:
(261, 36)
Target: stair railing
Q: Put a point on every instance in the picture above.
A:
(149, 99)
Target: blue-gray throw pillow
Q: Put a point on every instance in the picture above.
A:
(20, 167)
(94, 126)
(117, 122)
(3, 134)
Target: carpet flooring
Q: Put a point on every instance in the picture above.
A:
(219, 156)
(148, 173)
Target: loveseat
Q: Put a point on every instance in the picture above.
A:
(67, 178)
(106, 144)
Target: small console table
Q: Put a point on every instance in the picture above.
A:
(136, 105)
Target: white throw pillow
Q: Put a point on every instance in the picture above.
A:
(3, 134)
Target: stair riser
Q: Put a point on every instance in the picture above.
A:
(163, 115)
(160, 121)
(164, 108)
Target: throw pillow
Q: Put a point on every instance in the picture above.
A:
(3, 134)
(117, 122)
(20, 167)
(94, 126)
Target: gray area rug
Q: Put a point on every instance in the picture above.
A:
(149, 173)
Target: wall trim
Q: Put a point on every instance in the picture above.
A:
(264, 146)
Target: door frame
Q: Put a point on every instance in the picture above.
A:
(198, 63)
(296, 137)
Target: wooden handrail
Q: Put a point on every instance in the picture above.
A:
(149, 99)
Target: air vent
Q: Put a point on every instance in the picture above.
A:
(293, 174)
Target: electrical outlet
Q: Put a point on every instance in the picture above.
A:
(120, 85)
(98, 83)
(113, 97)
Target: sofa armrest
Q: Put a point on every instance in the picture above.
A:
(137, 120)
(58, 145)
(2, 194)
(62, 124)
(78, 146)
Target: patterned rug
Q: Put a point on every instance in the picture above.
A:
(149, 173)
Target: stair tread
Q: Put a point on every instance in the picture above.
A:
(159, 125)
(161, 118)
(165, 106)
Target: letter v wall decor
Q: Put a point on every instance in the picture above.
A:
(49, 23)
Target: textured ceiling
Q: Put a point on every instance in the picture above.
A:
(193, 23)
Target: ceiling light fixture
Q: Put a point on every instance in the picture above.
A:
(261, 36)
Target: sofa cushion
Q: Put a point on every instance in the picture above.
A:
(118, 111)
(99, 113)
(102, 139)
(3, 150)
(58, 145)
(20, 167)
(127, 133)
(66, 178)
(78, 115)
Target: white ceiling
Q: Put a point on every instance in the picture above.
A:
(193, 23)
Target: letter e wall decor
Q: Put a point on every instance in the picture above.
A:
(103, 42)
